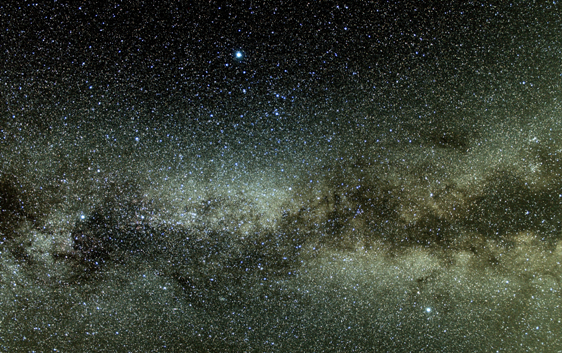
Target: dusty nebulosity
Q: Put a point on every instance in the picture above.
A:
(426, 248)
(367, 176)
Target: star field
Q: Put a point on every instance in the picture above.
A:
(280, 176)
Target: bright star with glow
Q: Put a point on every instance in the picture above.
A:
(239, 55)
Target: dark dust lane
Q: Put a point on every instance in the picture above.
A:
(364, 177)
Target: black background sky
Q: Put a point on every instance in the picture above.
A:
(300, 57)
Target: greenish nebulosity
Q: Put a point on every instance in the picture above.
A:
(364, 177)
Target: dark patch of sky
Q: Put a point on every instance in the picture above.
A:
(298, 55)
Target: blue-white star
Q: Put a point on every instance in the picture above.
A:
(239, 55)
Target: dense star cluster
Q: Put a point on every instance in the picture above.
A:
(280, 176)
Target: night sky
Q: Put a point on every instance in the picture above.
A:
(281, 176)
(302, 58)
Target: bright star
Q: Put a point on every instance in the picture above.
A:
(239, 55)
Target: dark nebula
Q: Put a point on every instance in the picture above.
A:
(272, 176)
